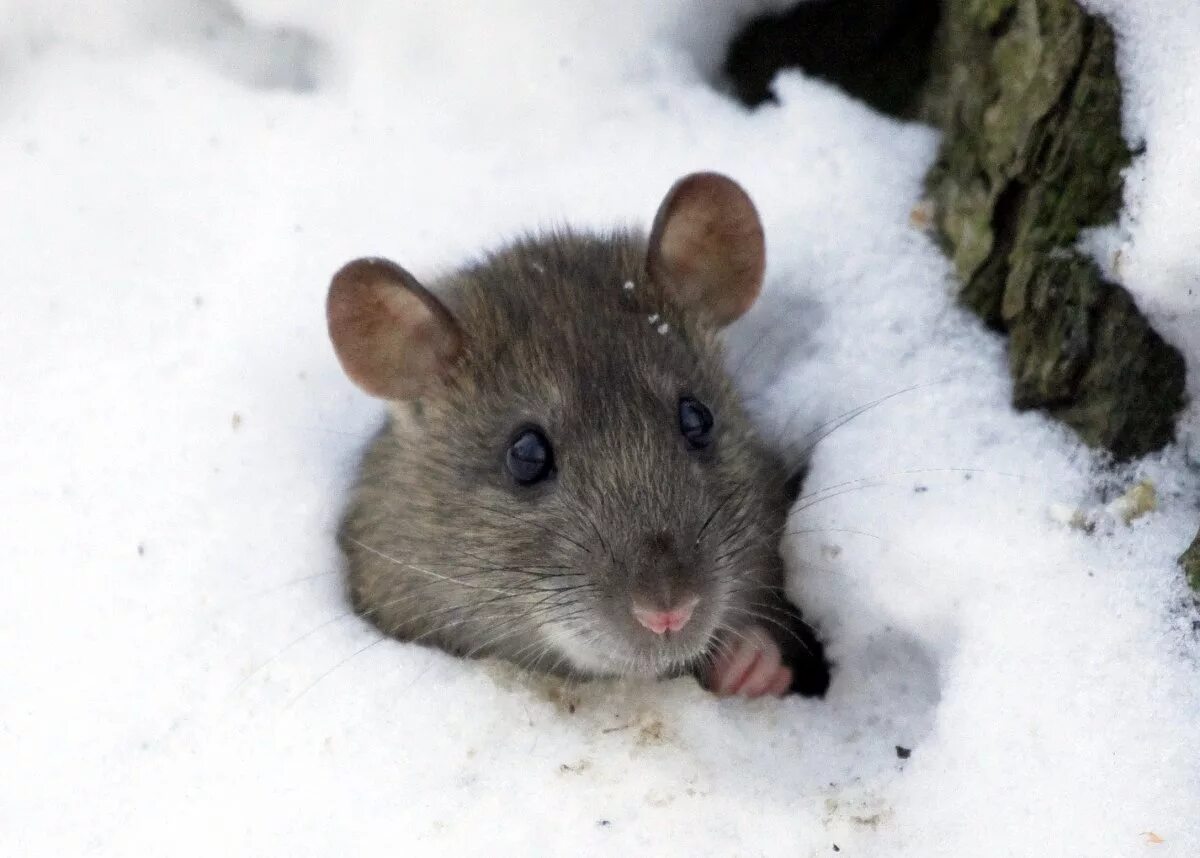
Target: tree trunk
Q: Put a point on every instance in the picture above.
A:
(1027, 95)
(1190, 561)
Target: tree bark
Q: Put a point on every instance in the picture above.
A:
(1190, 562)
(1027, 95)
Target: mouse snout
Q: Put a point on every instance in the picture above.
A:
(663, 600)
(662, 621)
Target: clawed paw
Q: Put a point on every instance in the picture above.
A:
(750, 664)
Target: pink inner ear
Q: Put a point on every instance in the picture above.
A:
(393, 338)
(707, 248)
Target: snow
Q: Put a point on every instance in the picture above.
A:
(183, 675)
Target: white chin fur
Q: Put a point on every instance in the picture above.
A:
(591, 658)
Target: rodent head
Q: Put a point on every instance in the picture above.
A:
(566, 445)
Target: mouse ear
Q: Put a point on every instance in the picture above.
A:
(706, 247)
(392, 336)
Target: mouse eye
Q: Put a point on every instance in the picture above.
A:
(530, 459)
(695, 423)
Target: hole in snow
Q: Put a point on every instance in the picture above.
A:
(876, 50)
(892, 680)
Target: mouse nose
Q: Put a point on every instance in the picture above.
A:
(661, 622)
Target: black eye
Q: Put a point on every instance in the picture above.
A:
(530, 458)
(695, 423)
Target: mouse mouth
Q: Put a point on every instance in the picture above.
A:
(641, 653)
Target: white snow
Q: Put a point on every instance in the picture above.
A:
(182, 675)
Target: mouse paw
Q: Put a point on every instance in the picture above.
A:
(749, 665)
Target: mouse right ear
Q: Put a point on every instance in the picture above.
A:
(393, 337)
(706, 247)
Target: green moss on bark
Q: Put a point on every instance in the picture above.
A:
(1027, 95)
(1190, 561)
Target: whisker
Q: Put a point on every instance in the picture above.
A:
(846, 417)
(712, 516)
(591, 522)
(264, 665)
(446, 578)
(337, 666)
(871, 481)
(778, 624)
(266, 591)
(538, 525)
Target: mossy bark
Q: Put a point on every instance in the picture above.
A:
(1190, 561)
(1028, 98)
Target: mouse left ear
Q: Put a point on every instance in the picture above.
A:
(707, 250)
(393, 337)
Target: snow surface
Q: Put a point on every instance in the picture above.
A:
(181, 673)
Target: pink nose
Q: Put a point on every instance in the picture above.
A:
(661, 622)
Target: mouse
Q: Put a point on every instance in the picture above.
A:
(567, 477)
